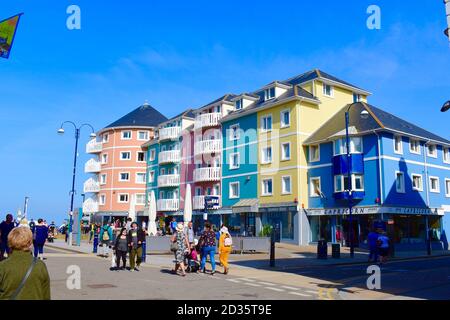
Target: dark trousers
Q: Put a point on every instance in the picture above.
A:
(121, 255)
(38, 249)
(135, 257)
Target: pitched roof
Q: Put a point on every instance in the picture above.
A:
(144, 116)
(186, 113)
(378, 120)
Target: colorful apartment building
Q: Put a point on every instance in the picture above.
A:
(117, 185)
(400, 178)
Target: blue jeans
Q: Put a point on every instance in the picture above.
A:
(211, 251)
(38, 249)
(373, 254)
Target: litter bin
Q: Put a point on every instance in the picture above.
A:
(336, 250)
(322, 249)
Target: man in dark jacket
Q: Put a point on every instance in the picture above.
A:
(40, 235)
(5, 228)
(136, 237)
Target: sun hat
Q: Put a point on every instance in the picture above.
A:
(224, 230)
(180, 227)
(195, 242)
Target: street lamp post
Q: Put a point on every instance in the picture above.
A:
(364, 115)
(72, 191)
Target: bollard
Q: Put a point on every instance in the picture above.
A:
(94, 250)
(272, 249)
(144, 251)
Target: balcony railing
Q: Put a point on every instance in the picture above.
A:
(207, 120)
(90, 205)
(168, 204)
(169, 180)
(92, 166)
(208, 146)
(94, 147)
(91, 185)
(171, 156)
(199, 203)
(169, 133)
(207, 174)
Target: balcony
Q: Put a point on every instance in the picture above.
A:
(199, 203)
(90, 205)
(92, 166)
(170, 133)
(91, 186)
(169, 180)
(94, 147)
(207, 120)
(168, 204)
(172, 156)
(207, 147)
(207, 174)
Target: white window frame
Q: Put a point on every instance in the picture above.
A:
(267, 93)
(446, 151)
(263, 154)
(432, 155)
(438, 183)
(403, 190)
(447, 187)
(123, 152)
(232, 137)
(282, 113)
(354, 182)
(232, 166)
(137, 156)
(412, 182)
(413, 151)
(123, 194)
(144, 139)
(151, 176)
(100, 179)
(311, 159)
(283, 190)
(312, 194)
(136, 177)
(263, 194)
(342, 177)
(122, 135)
(230, 196)
(352, 146)
(106, 158)
(120, 176)
(102, 199)
(283, 156)
(324, 86)
(400, 151)
(105, 138)
(136, 197)
(239, 103)
(152, 155)
(358, 97)
(267, 116)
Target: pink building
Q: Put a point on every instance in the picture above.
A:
(117, 187)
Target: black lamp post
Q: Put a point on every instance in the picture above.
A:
(364, 115)
(72, 192)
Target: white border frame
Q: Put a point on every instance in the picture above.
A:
(401, 144)
(282, 185)
(123, 131)
(238, 190)
(309, 153)
(412, 182)
(120, 178)
(311, 195)
(123, 194)
(122, 152)
(282, 112)
(136, 180)
(438, 190)
(262, 187)
(230, 167)
(282, 151)
(411, 150)
(268, 115)
(435, 155)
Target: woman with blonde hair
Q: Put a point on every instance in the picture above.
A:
(23, 277)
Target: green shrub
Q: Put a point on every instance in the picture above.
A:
(266, 231)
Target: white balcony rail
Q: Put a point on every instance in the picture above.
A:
(169, 133)
(169, 156)
(169, 180)
(92, 166)
(94, 147)
(168, 204)
(199, 203)
(207, 120)
(208, 146)
(90, 205)
(91, 185)
(207, 174)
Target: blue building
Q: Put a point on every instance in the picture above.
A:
(400, 178)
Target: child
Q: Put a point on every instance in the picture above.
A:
(193, 264)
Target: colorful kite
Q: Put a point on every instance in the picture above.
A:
(8, 29)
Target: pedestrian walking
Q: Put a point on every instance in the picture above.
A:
(40, 235)
(225, 245)
(383, 246)
(121, 249)
(136, 237)
(190, 233)
(128, 224)
(23, 277)
(105, 237)
(173, 225)
(208, 245)
(182, 248)
(372, 238)
(5, 228)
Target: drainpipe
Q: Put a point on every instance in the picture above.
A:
(427, 231)
(380, 174)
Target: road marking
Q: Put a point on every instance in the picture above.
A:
(252, 284)
(299, 294)
(266, 283)
(249, 280)
(233, 280)
(274, 289)
(290, 288)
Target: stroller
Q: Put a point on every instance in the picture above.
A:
(191, 260)
(51, 234)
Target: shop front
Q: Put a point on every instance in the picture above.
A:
(281, 218)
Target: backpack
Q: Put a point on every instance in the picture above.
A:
(228, 242)
(105, 235)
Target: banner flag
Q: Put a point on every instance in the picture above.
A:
(8, 29)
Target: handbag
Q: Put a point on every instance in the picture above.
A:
(173, 246)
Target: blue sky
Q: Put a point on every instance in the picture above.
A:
(185, 54)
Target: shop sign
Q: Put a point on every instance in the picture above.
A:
(373, 210)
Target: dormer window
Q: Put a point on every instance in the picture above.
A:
(239, 104)
(269, 93)
(328, 90)
(357, 98)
